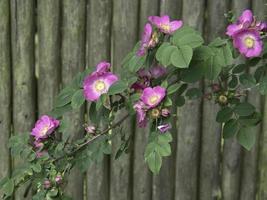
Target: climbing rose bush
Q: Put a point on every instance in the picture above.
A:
(156, 76)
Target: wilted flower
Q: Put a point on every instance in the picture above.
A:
(153, 96)
(44, 127)
(164, 24)
(149, 40)
(40, 154)
(248, 42)
(155, 113)
(164, 128)
(98, 82)
(165, 112)
(157, 71)
(38, 144)
(243, 22)
(141, 109)
(102, 68)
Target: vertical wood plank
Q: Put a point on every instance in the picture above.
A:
(189, 123)
(5, 88)
(141, 175)
(164, 183)
(99, 42)
(73, 61)
(48, 28)
(125, 27)
(22, 37)
(209, 187)
(260, 10)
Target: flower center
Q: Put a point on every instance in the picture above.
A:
(249, 42)
(165, 27)
(155, 113)
(44, 130)
(153, 99)
(100, 86)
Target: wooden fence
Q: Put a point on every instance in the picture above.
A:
(44, 43)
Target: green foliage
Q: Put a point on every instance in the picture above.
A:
(77, 99)
(246, 137)
(157, 148)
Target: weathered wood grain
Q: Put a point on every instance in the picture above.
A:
(124, 32)
(209, 187)
(5, 88)
(260, 8)
(98, 49)
(73, 61)
(23, 79)
(48, 28)
(141, 175)
(189, 123)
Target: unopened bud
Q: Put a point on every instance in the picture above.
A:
(90, 129)
(58, 179)
(47, 184)
(215, 87)
(165, 112)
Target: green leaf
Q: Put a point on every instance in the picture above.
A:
(173, 88)
(182, 56)
(244, 109)
(247, 80)
(246, 137)
(8, 188)
(212, 69)
(77, 99)
(192, 39)
(239, 68)
(202, 53)
(64, 97)
(233, 82)
(36, 167)
(224, 115)
(166, 55)
(160, 50)
(154, 162)
(136, 62)
(230, 128)
(218, 42)
(117, 88)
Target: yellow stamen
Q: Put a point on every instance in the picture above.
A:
(44, 130)
(153, 99)
(165, 27)
(100, 86)
(249, 42)
(155, 113)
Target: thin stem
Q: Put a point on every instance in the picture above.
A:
(95, 137)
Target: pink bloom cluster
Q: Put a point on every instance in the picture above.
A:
(43, 128)
(98, 82)
(246, 34)
(150, 38)
(149, 100)
(146, 75)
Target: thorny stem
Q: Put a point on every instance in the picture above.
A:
(95, 137)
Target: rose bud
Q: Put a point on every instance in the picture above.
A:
(164, 128)
(215, 87)
(90, 129)
(165, 112)
(58, 179)
(47, 184)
